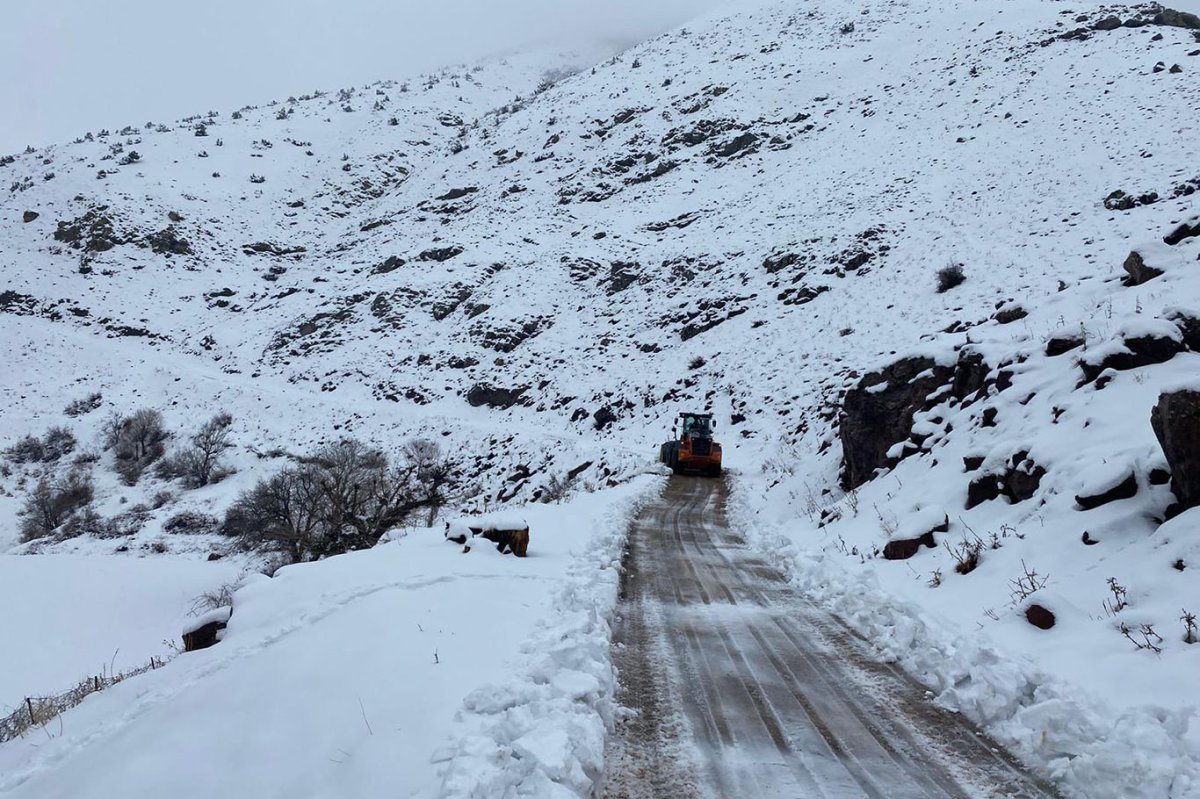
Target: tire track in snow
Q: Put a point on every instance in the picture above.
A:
(735, 678)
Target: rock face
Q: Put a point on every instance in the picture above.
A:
(1176, 423)
(878, 412)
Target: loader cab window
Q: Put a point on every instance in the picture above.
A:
(697, 426)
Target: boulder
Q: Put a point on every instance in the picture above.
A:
(604, 417)
(1107, 24)
(508, 533)
(1009, 314)
(1177, 19)
(1102, 495)
(1062, 343)
(205, 630)
(29, 216)
(1138, 271)
(1176, 422)
(1189, 326)
(1039, 616)
(494, 397)
(905, 548)
(1185, 231)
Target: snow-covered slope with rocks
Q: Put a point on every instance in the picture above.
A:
(541, 267)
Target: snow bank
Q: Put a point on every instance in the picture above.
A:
(542, 731)
(1087, 747)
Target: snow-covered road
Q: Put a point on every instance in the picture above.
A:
(741, 687)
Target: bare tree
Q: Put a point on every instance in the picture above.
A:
(136, 441)
(432, 473)
(198, 464)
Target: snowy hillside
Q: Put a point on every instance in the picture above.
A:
(538, 262)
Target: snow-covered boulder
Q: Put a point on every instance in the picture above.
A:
(508, 532)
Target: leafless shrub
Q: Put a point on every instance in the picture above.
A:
(1189, 627)
(966, 554)
(557, 488)
(1027, 584)
(950, 276)
(52, 503)
(935, 579)
(192, 523)
(1149, 639)
(1118, 602)
(57, 442)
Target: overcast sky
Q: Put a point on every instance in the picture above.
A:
(69, 66)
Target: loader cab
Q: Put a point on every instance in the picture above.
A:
(697, 425)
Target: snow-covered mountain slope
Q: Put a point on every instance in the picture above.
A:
(748, 215)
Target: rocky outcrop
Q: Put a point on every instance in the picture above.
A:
(1176, 422)
(1018, 482)
(493, 397)
(878, 413)
(1150, 345)
(1062, 343)
(1185, 231)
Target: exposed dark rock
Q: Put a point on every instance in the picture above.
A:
(1138, 351)
(269, 248)
(972, 462)
(1177, 19)
(1039, 617)
(455, 194)
(1063, 342)
(1107, 24)
(390, 264)
(29, 216)
(1138, 271)
(1184, 231)
(493, 397)
(1176, 422)
(1018, 482)
(440, 254)
(604, 417)
(204, 636)
(1009, 314)
(970, 373)
(905, 548)
(1125, 489)
(168, 242)
(1159, 476)
(878, 413)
